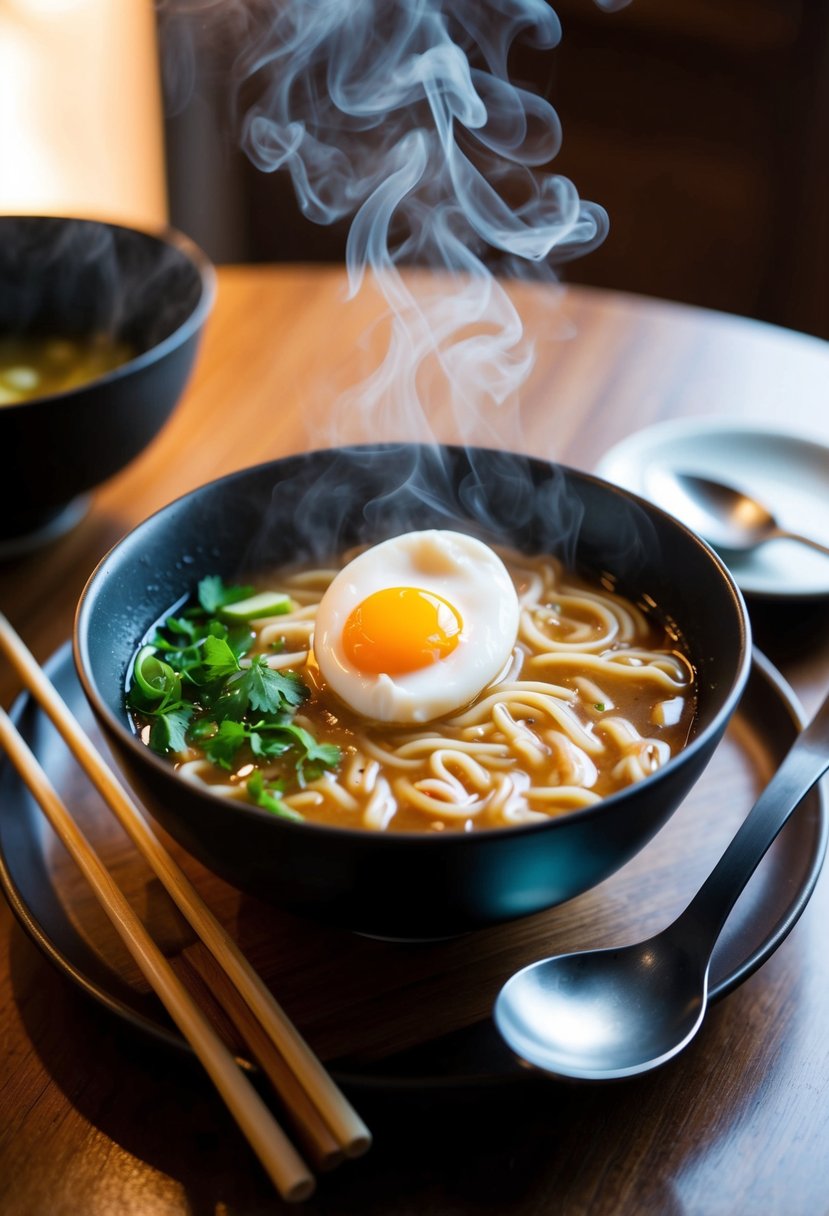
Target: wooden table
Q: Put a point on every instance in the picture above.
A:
(95, 1119)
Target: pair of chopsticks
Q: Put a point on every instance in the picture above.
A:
(326, 1124)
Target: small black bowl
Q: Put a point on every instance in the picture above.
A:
(408, 885)
(75, 278)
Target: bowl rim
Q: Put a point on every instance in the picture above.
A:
(164, 235)
(396, 839)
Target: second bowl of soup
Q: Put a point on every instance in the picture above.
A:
(99, 328)
(412, 690)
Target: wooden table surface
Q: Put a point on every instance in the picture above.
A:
(96, 1120)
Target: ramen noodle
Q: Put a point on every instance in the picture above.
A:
(595, 696)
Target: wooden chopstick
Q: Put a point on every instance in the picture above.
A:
(279, 1157)
(311, 1130)
(335, 1114)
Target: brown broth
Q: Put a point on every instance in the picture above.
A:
(614, 705)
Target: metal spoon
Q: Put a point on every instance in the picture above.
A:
(602, 1014)
(728, 518)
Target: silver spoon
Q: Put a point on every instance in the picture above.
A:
(603, 1014)
(728, 518)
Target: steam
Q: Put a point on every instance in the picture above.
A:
(401, 114)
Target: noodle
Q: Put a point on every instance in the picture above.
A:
(596, 696)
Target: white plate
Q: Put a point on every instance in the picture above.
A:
(788, 473)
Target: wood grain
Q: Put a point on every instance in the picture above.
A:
(95, 1119)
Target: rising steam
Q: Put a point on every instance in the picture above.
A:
(401, 114)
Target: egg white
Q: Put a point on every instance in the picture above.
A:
(460, 569)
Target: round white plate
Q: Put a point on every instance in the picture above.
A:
(788, 473)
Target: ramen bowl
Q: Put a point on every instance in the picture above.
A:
(408, 885)
(74, 289)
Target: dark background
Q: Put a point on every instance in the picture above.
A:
(702, 127)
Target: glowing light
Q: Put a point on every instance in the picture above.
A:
(80, 110)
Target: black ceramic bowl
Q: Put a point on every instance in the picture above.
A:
(409, 885)
(74, 278)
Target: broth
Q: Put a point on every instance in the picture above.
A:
(32, 367)
(595, 696)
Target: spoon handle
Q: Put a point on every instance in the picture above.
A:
(806, 761)
(784, 534)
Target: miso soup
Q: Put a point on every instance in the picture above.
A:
(37, 366)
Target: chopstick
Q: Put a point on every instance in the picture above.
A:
(285, 1167)
(329, 1123)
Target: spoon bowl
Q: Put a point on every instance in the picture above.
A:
(615, 1012)
(606, 1014)
(730, 519)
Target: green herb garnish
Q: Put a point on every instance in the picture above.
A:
(168, 732)
(266, 794)
(193, 684)
(271, 691)
(213, 594)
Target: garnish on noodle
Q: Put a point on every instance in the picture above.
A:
(197, 690)
(590, 695)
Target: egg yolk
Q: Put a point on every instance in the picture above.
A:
(400, 629)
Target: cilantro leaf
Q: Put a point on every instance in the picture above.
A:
(188, 686)
(265, 794)
(301, 737)
(219, 659)
(315, 757)
(202, 729)
(211, 591)
(168, 732)
(268, 746)
(319, 759)
(269, 691)
(221, 748)
(182, 626)
(312, 758)
(239, 638)
(213, 594)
